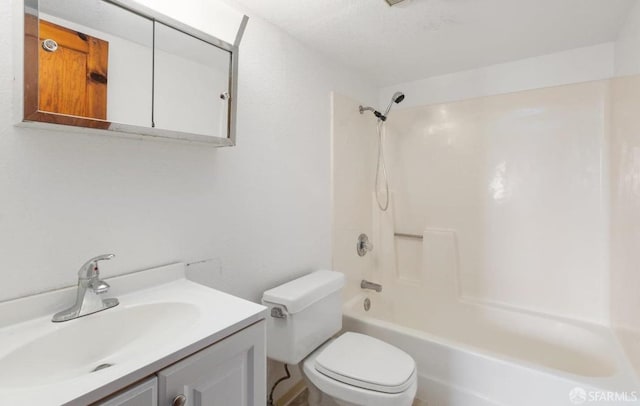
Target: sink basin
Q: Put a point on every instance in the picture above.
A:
(91, 344)
(162, 318)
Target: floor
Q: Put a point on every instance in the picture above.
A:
(301, 399)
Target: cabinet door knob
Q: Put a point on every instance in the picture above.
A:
(180, 400)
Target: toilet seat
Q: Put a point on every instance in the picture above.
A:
(357, 395)
(366, 362)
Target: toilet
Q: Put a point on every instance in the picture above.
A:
(350, 369)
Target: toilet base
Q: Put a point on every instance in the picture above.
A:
(318, 398)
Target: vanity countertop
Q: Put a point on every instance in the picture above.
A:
(46, 363)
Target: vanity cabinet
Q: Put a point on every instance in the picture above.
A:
(230, 372)
(142, 394)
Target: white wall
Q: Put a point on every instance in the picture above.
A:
(572, 66)
(627, 46)
(261, 209)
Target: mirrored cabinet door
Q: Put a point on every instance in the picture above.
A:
(191, 84)
(88, 63)
(120, 65)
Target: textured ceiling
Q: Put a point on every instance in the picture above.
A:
(421, 38)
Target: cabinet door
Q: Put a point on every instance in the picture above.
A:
(143, 394)
(231, 372)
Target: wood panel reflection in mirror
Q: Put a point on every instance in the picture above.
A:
(73, 76)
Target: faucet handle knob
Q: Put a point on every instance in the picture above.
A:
(363, 245)
(90, 268)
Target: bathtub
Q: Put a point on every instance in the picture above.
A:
(477, 355)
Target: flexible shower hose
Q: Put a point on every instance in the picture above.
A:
(381, 164)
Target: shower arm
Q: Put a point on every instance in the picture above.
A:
(397, 98)
(376, 113)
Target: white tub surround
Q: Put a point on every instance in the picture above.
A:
(162, 318)
(625, 218)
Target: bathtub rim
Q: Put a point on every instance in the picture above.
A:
(624, 372)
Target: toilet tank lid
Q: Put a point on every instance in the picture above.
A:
(299, 293)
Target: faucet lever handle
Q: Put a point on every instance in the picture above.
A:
(90, 268)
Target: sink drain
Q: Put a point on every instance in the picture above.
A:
(101, 366)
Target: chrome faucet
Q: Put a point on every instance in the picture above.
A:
(90, 287)
(370, 285)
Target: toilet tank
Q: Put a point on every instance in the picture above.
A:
(303, 313)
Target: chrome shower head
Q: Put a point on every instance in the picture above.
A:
(396, 98)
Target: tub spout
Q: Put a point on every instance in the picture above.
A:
(370, 285)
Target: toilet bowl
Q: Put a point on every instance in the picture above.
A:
(351, 369)
(355, 369)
